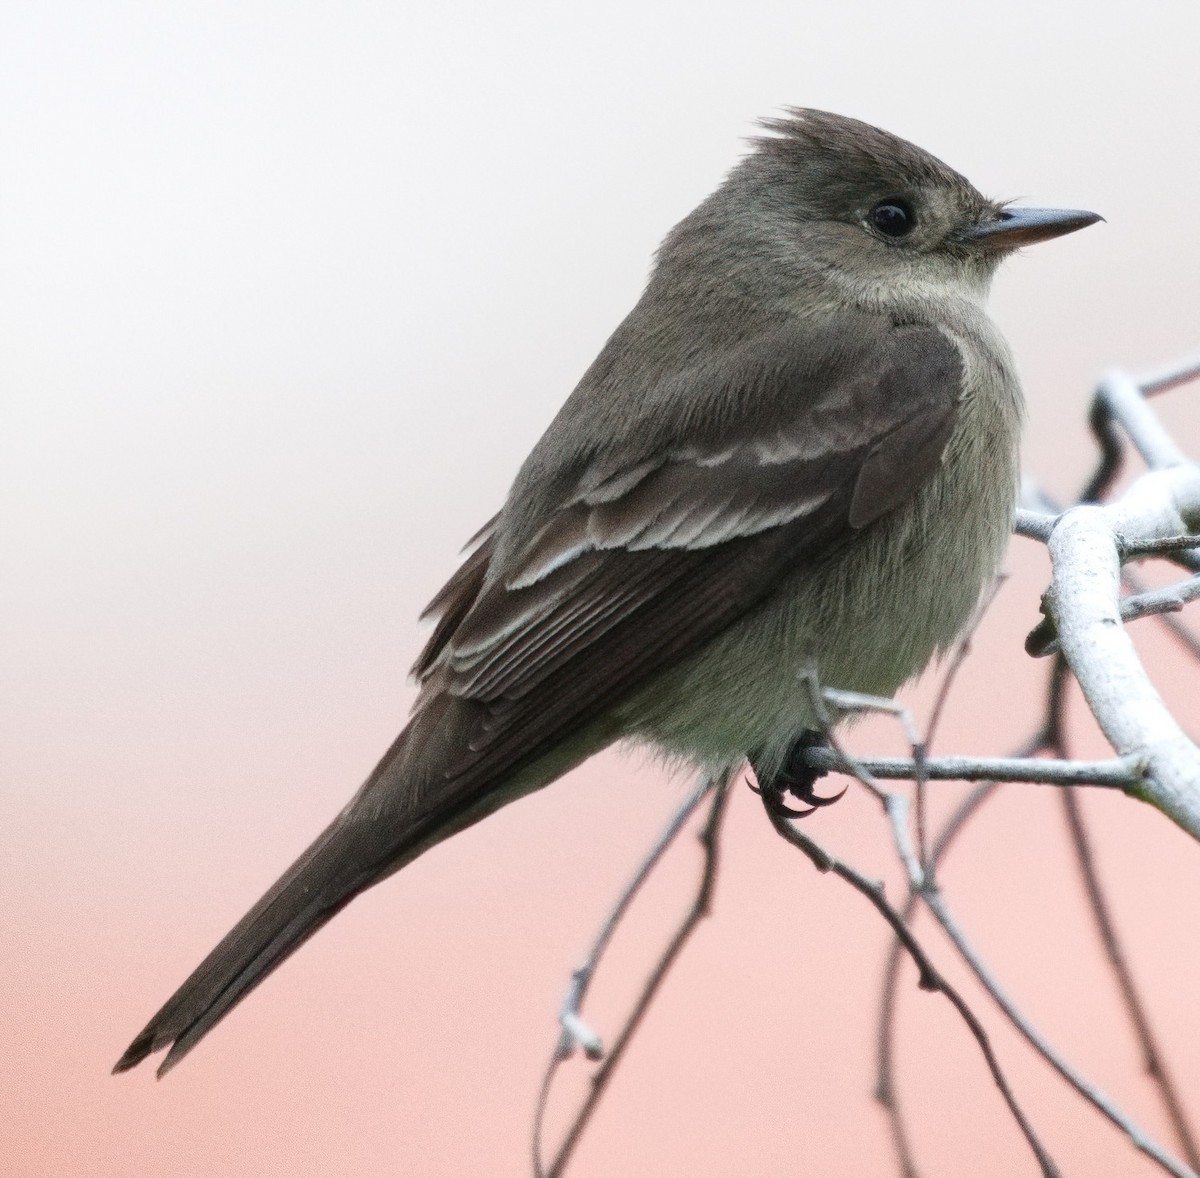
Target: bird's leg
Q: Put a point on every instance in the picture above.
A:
(796, 777)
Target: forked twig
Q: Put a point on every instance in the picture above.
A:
(575, 1033)
(710, 842)
(1141, 1140)
(1186, 636)
(885, 1083)
(885, 1079)
(924, 886)
(930, 977)
(1106, 414)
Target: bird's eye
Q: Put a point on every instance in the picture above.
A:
(893, 218)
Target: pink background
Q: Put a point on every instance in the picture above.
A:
(288, 291)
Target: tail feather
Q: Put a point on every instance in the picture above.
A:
(384, 826)
(313, 890)
(421, 792)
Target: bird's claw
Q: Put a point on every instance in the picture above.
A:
(797, 779)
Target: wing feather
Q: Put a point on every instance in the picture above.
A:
(639, 564)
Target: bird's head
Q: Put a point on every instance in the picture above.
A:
(835, 208)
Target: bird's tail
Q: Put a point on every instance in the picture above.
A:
(314, 889)
(422, 791)
(384, 827)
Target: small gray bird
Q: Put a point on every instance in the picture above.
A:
(799, 449)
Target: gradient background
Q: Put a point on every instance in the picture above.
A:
(286, 293)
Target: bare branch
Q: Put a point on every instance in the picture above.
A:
(1125, 773)
(1122, 399)
(856, 701)
(924, 885)
(930, 895)
(1135, 1007)
(1112, 452)
(930, 977)
(962, 651)
(1169, 377)
(1084, 603)
(1131, 607)
(1158, 515)
(896, 808)
(1178, 628)
(710, 842)
(1152, 1056)
(885, 1087)
(1035, 525)
(1137, 1136)
(1137, 548)
(575, 1033)
(1168, 600)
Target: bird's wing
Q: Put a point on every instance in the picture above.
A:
(641, 563)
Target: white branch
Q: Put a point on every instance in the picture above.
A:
(1123, 398)
(1037, 525)
(1117, 773)
(1085, 602)
(1169, 376)
(1170, 599)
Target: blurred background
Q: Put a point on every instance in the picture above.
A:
(286, 293)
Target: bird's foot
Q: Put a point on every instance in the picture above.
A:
(795, 778)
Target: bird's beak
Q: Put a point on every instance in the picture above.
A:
(1014, 228)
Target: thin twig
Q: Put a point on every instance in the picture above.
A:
(896, 808)
(1034, 525)
(1147, 603)
(930, 977)
(1178, 628)
(962, 651)
(885, 1086)
(1168, 377)
(1114, 773)
(1136, 1008)
(1127, 406)
(1137, 1136)
(858, 701)
(710, 842)
(1112, 452)
(1169, 599)
(575, 1032)
(1152, 1056)
(1133, 549)
(930, 895)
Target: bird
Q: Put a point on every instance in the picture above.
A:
(800, 449)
